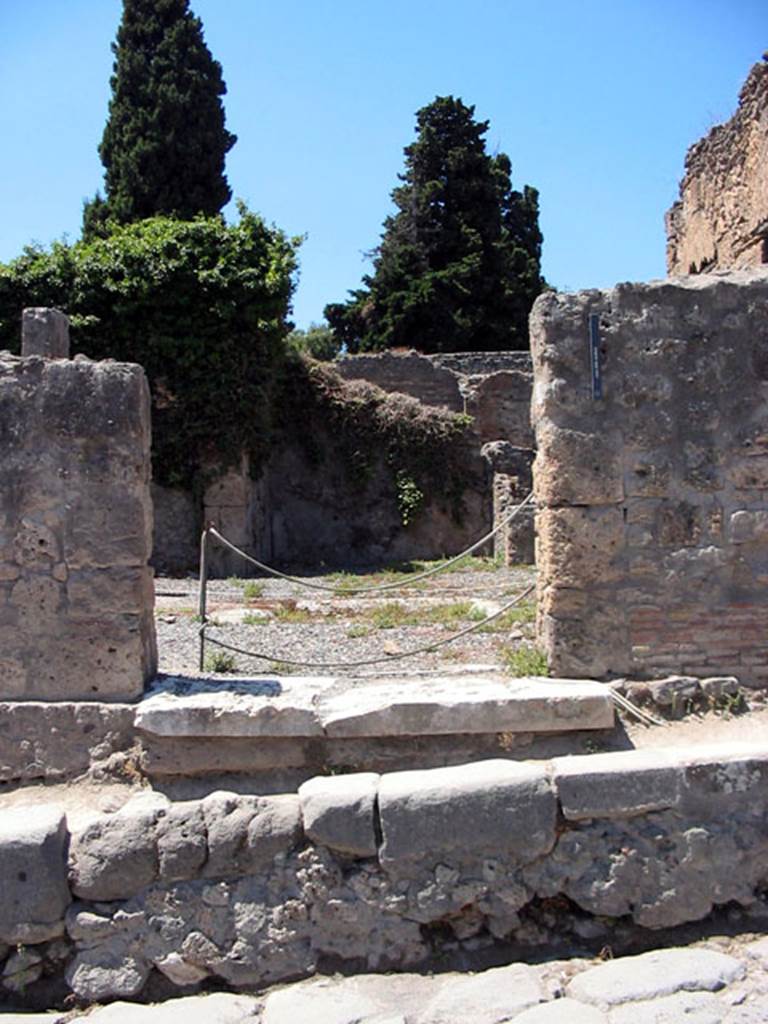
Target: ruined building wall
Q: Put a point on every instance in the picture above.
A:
(721, 218)
(653, 501)
(304, 511)
(494, 388)
(76, 595)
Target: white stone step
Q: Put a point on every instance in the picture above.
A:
(322, 706)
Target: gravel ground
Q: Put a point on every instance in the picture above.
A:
(287, 622)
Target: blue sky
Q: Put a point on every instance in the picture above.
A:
(595, 102)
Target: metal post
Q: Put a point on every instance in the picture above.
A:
(594, 356)
(202, 605)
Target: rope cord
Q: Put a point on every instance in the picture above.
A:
(626, 705)
(397, 585)
(369, 661)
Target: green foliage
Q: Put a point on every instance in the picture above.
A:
(525, 661)
(458, 267)
(220, 661)
(418, 444)
(164, 143)
(409, 497)
(200, 304)
(253, 590)
(394, 614)
(318, 341)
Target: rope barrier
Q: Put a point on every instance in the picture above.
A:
(626, 705)
(377, 588)
(368, 661)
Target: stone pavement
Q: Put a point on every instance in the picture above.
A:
(698, 984)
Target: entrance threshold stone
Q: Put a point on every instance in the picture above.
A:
(323, 706)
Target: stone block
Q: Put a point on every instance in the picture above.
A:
(747, 527)
(44, 332)
(653, 975)
(266, 707)
(482, 705)
(60, 740)
(33, 874)
(182, 846)
(210, 1008)
(617, 785)
(582, 635)
(75, 497)
(580, 546)
(577, 468)
(245, 833)
(724, 778)
(338, 811)
(169, 756)
(115, 856)
(562, 1011)
(494, 995)
(450, 813)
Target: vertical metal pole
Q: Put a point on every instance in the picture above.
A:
(594, 356)
(202, 605)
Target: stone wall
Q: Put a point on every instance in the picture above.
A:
(492, 387)
(721, 219)
(76, 594)
(385, 869)
(653, 500)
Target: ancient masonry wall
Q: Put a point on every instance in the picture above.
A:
(249, 890)
(303, 513)
(494, 388)
(76, 594)
(653, 500)
(721, 219)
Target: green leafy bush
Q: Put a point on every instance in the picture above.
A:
(200, 304)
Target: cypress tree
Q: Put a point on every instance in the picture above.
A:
(458, 266)
(165, 142)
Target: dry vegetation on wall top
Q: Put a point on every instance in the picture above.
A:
(420, 446)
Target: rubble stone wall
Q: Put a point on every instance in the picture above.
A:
(652, 519)
(492, 387)
(249, 890)
(76, 593)
(721, 219)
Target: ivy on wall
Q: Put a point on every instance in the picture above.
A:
(203, 306)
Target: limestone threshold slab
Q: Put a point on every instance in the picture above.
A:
(307, 706)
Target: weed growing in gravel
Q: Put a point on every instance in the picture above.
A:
(280, 668)
(220, 661)
(524, 661)
(347, 581)
(393, 614)
(293, 616)
(523, 614)
(253, 590)
(358, 630)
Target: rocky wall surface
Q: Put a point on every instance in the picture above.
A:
(652, 523)
(374, 870)
(492, 387)
(306, 511)
(76, 593)
(721, 219)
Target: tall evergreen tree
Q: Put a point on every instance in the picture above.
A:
(458, 266)
(165, 142)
